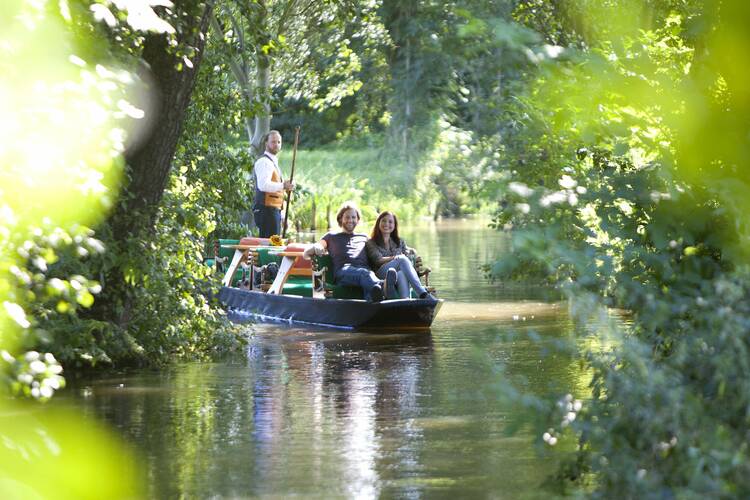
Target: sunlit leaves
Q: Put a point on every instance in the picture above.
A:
(32, 374)
(661, 231)
(140, 14)
(58, 144)
(61, 139)
(58, 158)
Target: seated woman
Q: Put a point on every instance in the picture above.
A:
(385, 251)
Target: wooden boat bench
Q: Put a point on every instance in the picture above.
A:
(306, 278)
(221, 255)
(239, 258)
(423, 272)
(298, 280)
(252, 256)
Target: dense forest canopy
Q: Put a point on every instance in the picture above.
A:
(608, 138)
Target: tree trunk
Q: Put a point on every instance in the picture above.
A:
(239, 69)
(407, 104)
(263, 60)
(149, 166)
(263, 89)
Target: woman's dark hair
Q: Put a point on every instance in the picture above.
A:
(347, 205)
(377, 235)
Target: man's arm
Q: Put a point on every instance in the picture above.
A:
(318, 248)
(264, 169)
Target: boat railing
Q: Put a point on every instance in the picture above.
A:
(423, 272)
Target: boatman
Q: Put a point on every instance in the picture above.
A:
(269, 187)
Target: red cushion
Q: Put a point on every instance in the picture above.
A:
(301, 263)
(252, 240)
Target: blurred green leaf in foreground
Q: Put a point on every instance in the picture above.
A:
(62, 133)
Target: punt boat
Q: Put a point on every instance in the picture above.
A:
(302, 291)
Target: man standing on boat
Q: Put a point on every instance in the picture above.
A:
(269, 187)
(347, 251)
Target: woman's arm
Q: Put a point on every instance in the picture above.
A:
(375, 254)
(406, 249)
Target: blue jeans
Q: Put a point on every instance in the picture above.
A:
(268, 220)
(406, 273)
(358, 276)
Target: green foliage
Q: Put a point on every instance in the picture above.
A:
(66, 109)
(371, 177)
(32, 375)
(623, 200)
(455, 70)
(67, 173)
(212, 159)
(419, 71)
(63, 135)
(62, 454)
(164, 312)
(463, 170)
(55, 290)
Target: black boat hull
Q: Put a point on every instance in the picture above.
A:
(339, 313)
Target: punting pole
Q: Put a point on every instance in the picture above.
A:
(291, 179)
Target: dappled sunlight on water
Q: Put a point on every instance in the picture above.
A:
(499, 311)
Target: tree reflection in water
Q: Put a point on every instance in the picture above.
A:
(325, 413)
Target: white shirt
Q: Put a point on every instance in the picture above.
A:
(264, 167)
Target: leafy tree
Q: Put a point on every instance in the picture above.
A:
(67, 106)
(630, 203)
(302, 47)
(458, 63)
(420, 72)
(150, 254)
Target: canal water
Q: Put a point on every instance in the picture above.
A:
(315, 413)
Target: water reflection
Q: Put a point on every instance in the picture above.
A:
(342, 388)
(332, 414)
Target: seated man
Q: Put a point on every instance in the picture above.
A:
(347, 250)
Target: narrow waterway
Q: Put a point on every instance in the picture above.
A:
(318, 413)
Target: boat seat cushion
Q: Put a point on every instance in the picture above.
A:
(300, 263)
(298, 285)
(252, 240)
